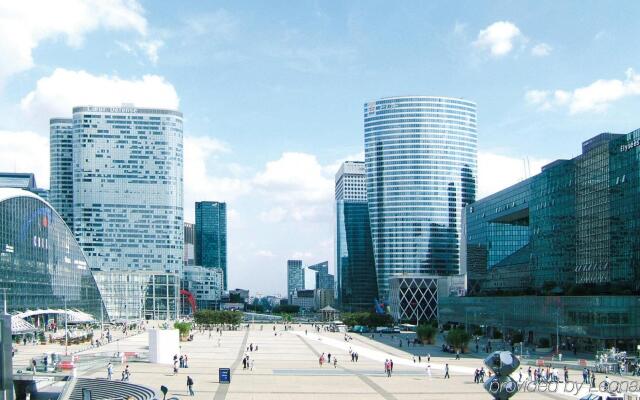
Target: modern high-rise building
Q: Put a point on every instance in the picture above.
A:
(421, 161)
(357, 287)
(564, 245)
(295, 277)
(128, 187)
(61, 167)
(189, 243)
(324, 280)
(211, 236)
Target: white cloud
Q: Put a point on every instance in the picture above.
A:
(597, 96)
(497, 171)
(150, 49)
(25, 24)
(57, 94)
(498, 38)
(541, 50)
(265, 253)
(25, 151)
(202, 180)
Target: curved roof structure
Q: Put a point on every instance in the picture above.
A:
(45, 268)
(73, 316)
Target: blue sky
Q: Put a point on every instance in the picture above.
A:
(272, 92)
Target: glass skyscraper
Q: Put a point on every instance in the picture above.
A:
(128, 187)
(295, 277)
(211, 236)
(421, 161)
(357, 287)
(61, 167)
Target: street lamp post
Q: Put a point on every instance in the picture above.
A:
(66, 331)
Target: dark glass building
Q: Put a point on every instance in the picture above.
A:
(565, 244)
(41, 264)
(211, 236)
(357, 287)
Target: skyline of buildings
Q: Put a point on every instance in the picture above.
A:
(421, 164)
(211, 236)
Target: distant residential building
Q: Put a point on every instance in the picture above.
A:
(421, 162)
(61, 167)
(127, 186)
(295, 277)
(205, 284)
(23, 180)
(324, 280)
(357, 287)
(211, 236)
(189, 243)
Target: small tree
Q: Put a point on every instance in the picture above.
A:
(458, 338)
(426, 333)
(183, 327)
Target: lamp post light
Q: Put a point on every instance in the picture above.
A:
(66, 331)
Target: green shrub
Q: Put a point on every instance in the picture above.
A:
(426, 333)
(458, 338)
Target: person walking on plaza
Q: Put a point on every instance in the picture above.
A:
(335, 362)
(186, 361)
(329, 357)
(109, 371)
(190, 386)
(428, 358)
(175, 367)
(391, 365)
(457, 354)
(429, 370)
(446, 371)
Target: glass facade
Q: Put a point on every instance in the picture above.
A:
(128, 187)
(569, 234)
(324, 280)
(211, 236)
(41, 264)
(357, 287)
(421, 161)
(295, 277)
(61, 167)
(139, 295)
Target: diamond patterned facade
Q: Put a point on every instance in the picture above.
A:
(414, 298)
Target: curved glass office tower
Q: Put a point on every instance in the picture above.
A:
(128, 187)
(421, 161)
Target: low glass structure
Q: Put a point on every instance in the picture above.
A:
(41, 264)
(139, 295)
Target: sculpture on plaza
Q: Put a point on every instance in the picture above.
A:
(501, 385)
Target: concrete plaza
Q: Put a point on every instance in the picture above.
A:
(286, 367)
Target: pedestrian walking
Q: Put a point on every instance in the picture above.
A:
(252, 363)
(446, 371)
(429, 371)
(419, 359)
(175, 367)
(457, 354)
(335, 362)
(190, 385)
(329, 357)
(186, 361)
(109, 371)
(428, 358)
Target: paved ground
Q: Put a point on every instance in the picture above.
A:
(286, 367)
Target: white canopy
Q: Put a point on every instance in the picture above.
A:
(73, 316)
